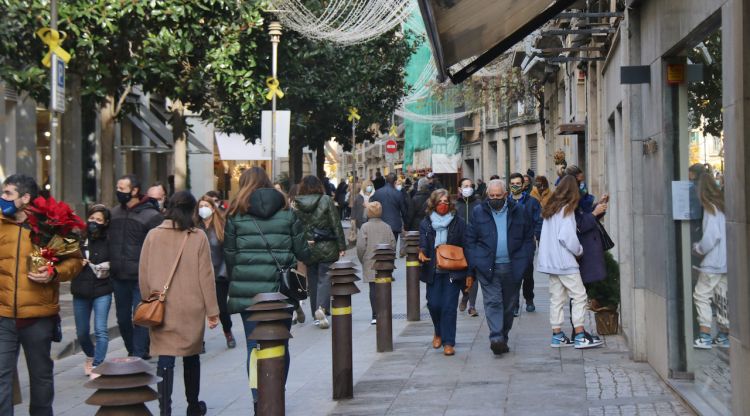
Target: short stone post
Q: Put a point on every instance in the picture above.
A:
(384, 265)
(122, 387)
(413, 268)
(343, 275)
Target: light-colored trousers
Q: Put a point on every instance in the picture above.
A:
(561, 288)
(711, 287)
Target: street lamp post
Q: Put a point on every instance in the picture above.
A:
(274, 30)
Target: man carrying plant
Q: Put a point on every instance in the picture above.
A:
(28, 297)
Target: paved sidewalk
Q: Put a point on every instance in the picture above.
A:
(533, 379)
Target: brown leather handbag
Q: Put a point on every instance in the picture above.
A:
(150, 312)
(451, 258)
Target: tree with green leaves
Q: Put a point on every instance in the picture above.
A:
(321, 81)
(200, 54)
(704, 98)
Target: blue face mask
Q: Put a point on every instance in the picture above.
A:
(8, 208)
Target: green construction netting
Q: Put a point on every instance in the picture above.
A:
(440, 136)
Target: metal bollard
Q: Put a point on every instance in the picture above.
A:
(270, 310)
(413, 267)
(122, 387)
(384, 265)
(343, 275)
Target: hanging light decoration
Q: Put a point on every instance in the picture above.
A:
(345, 22)
(432, 118)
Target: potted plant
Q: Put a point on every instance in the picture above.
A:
(605, 298)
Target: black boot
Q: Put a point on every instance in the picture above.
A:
(164, 388)
(192, 376)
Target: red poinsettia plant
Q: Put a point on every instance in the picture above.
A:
(55, 231)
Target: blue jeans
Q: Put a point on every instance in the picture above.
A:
(249, 327)
(500, 293)
(82, 308)
(442, 302)
(127, 297)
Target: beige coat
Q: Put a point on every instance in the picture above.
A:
(372, 233)
(191, 297)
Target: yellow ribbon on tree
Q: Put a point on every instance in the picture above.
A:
(52, 39)
(273, 88)
(353, 115)
(394, 131)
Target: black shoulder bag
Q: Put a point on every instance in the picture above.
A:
(292, 284)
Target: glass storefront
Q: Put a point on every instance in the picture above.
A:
(703, 376)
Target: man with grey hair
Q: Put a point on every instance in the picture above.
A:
(419, 205)
(500, 248)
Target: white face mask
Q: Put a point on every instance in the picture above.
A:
(467, 192)
(368, 189)
(399, 187)
(205, 212)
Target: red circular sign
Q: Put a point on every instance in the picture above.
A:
(391, 146)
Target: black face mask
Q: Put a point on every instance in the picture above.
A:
(123, 197)
(496, 204)
(95, 229)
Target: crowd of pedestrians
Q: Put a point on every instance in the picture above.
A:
(216, 257)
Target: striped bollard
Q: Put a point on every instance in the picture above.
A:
(270, 311)
(413, 267)
(343, 275)
(384, 265)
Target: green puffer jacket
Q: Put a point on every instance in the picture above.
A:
(251, 268)
(318, 211)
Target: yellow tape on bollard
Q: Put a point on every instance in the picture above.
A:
(383, 280)
(341, 311)
(258, 354)
(413, 264)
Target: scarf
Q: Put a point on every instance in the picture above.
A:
(440, 224)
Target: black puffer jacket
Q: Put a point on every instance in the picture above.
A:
(318, 211)
(418, 208)
(127, 232)
(86, 285)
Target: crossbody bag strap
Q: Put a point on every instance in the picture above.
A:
(268, 246)
(174, 266)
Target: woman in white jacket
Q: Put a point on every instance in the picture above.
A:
(712, 280)
(558, 249)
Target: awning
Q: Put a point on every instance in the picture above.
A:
(462, 29)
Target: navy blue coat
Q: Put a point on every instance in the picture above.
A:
(591, 264)
(456, 237)
(394, 206)
(481, 240)
(535, 210)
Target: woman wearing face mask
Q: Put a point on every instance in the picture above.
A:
(92, 289)
(212, 221)
(359, 213)
(465, 204)
(441, 226)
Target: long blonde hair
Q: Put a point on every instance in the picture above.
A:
(565, 195)
(711, 196)
(215, 221)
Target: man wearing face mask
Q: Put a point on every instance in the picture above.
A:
(29, 300)
(465, 204)
(394, 205)
(534, 209)
(158, 193)
(500, 248)
(132, 218)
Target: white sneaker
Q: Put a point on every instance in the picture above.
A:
(320, 316)
(373, 321)
(585, 341)
(703, 342)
